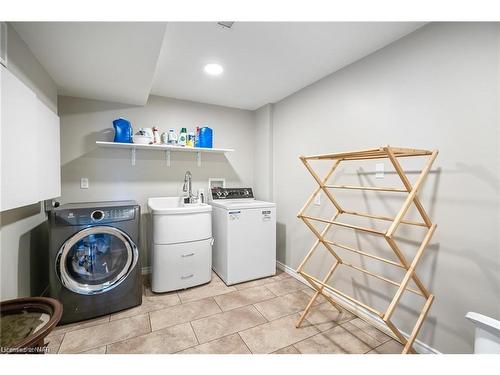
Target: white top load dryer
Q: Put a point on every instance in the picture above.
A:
(244, 231)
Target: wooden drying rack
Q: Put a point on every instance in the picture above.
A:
(393, 154)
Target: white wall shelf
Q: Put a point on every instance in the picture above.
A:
(166, 148)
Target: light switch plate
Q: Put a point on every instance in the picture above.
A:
(317, 199)
(379, 170)
(84, 183)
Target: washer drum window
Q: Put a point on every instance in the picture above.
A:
(96, 259)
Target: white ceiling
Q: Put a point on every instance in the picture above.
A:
(113, 61)
(263, 61)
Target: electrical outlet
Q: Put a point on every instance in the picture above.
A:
(317, 199)
(379, 170)
(84, 183)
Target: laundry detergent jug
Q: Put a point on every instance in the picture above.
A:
(205, 138)
(123, 131)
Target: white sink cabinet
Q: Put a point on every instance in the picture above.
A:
(181, 238)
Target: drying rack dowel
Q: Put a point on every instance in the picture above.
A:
(373, 188)
(342, 294)
(385, 218)
(340, 224)
(368, 255)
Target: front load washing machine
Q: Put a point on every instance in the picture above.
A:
(94, 259)
(244, 231)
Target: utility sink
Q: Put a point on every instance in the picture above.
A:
(181, 243)
(174, 221)
(175, 205)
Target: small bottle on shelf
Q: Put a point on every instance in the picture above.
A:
(182, 137)
(156, 135)
(190, 140)
(197, 137)
(172, 138)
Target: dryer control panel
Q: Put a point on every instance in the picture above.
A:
(232, 193)
(98, 215)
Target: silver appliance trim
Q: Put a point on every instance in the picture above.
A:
(89, 289)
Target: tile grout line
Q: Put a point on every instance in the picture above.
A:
(116, 342)
(297, 349)
(86, 350)
(60, 344)
(128, 338)
(366, 333)
(312, 325)
(260, 313)
(389, 338)
(244, 343)
(288, 314)
(270, 291)
(247, 304)
(147, 312)
(378, 346)
(208, 342)
(307, 338)
(215, 295)
(189, 321)
(336, 325)
(195, 335)
(80, 324)
(364, 342)
(244, 329)
(148, 333)
(216, 304)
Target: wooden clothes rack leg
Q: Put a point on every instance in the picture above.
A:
(322, 287)
(318, 292)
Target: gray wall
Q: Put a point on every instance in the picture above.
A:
(111, 175)
(263, 146)
(23, 231)
(437, 88)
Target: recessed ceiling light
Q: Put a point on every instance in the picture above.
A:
(213, 69)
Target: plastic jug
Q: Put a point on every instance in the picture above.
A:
(205, 137)
(123, 131)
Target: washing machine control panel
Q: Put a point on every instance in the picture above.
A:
(90, 216)
(231, 193)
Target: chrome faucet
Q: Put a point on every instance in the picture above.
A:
(188, 188)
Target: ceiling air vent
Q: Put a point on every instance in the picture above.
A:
(225, 24)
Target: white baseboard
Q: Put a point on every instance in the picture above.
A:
(373, 319)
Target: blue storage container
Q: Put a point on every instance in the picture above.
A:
(205, 137)
(123, 131)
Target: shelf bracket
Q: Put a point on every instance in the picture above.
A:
(167, 157)
(133, 156)
(198, 159)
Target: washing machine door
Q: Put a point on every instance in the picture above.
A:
(96, 259)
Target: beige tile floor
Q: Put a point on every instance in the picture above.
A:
(254, 317)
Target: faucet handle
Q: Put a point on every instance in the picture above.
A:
(194, 198)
